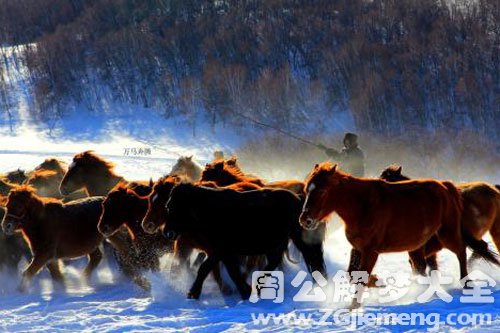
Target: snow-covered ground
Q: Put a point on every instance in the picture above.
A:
(111, 304)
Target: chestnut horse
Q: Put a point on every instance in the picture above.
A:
(481, 207)
(229, 224)
(94, 174)
(187, 169)
(123, 207)
(227, 172)
(373, 211)
(54, 230)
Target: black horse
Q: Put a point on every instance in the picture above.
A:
(231, 224)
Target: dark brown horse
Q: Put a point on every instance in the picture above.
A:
(481, 203)
(54, 230)
(94, 174)
(123, 207)
(13, 247)
(385, 217)
(6, 187)
(225, 173)
(228, 224)
(183, 246)
(16, 177)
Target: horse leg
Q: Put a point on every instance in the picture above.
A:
(431, 262)
(432, 247)
(34, 267)
(456, 244)
(55, 272)
(273, 260)
(95, 258)
(354, 261)
(223, 287)
(495, 231)
(367, 262)
(205, 268)
(312, 253)
(181, 252)
(233, 268)
(417, 260)
(200, 257)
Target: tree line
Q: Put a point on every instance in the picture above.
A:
(395, 65)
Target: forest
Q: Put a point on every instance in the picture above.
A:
(397, 66)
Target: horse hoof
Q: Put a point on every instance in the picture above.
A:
(468, 284)
(354, 306)
(193, 295)
(245, 294)
(373, 282)
(226, 290)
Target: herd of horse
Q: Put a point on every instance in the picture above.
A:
(58, 212)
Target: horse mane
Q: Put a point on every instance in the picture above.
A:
(232, 168)
(42, 174)
(169, 179)
(6, 183)
(29, 191)
(90, 158)
(325, 167)
(53, 163)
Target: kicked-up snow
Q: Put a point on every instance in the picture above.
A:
(111, 304)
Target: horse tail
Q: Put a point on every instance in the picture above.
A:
(456, 196)
(480, 248)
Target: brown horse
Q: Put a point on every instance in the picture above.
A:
(481, 212)
(94, 174)
(227, 172)
(187, 169)
(123, 207)
(54, 230)
(53, 164)
(373, 211)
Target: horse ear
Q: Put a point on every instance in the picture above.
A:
(398, 170)
(151, 183)
(316, 166)
(334, 168)
(190, 157)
